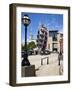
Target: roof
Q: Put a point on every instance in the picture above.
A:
(53, 30)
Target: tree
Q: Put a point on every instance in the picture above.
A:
(31, 45)
(22, 47)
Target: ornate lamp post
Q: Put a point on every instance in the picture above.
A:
(26, 21)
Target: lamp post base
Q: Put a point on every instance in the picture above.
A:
(28, 71)
(25, 62)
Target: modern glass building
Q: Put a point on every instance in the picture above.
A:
(53, 35)
(55, 41)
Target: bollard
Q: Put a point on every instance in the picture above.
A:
(47, 60)
(41, 62)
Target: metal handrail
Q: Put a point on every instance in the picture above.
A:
(43, 59)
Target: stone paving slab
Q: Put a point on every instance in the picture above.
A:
(46, 69)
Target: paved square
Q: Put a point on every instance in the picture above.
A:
(46, 69)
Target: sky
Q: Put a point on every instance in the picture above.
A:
(51, 21)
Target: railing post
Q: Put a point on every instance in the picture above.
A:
(41, 62)
(44, 58)
(47, 60)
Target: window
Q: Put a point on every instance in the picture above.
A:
(55, 38)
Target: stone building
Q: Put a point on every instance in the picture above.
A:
(55, 41)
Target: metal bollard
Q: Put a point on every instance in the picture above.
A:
(47, 60)
(41, 62)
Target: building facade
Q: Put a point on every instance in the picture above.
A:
(42, 38)
(55, 41)
(49, 39)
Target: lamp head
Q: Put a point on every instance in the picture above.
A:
(25, 20)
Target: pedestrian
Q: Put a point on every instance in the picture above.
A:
(60, 57)
(60, 63)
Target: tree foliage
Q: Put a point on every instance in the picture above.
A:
(30, 46)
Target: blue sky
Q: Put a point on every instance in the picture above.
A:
(51, 21)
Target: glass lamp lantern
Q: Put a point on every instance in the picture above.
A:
(25, 20)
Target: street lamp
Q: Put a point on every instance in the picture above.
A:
(26, 21)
